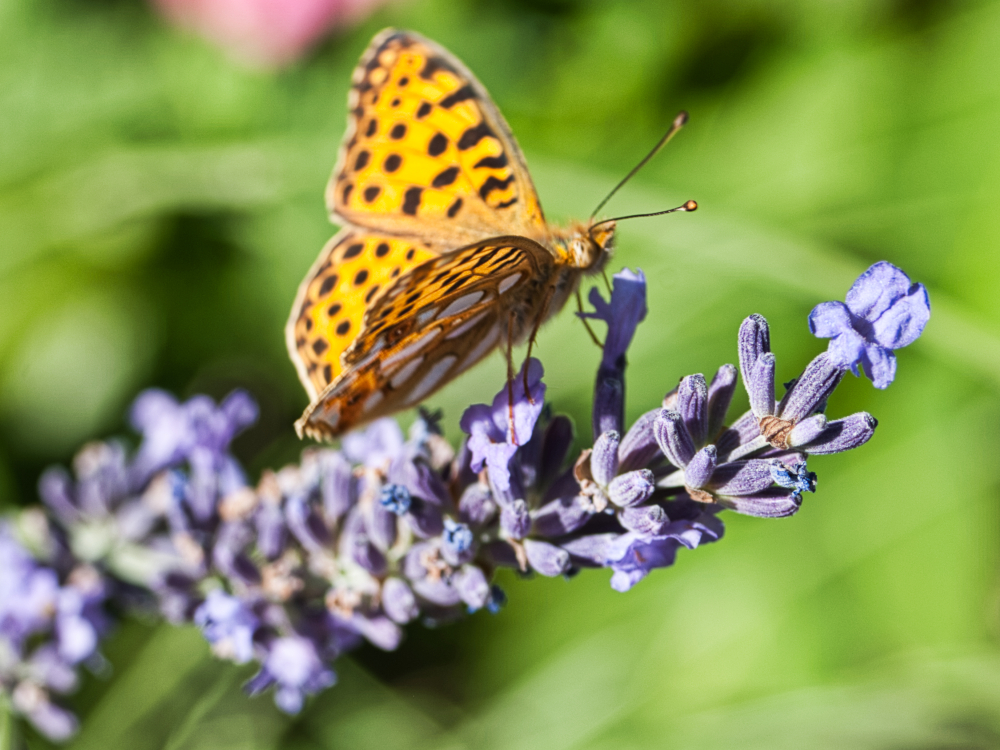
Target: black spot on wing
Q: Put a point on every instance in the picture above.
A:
(382, 250)
(398, 131)
(486, 258)
(437, 144)
(319, 346)
(353, 251)
(492, 183)
(433, 65)
(474, 135)
(423, 110)
(327, 286)
(445, 178)
(454, 208)
(455, 285)
(347, 192)
(372, 127)
(361, 161)
(371, 192)
(463, 94)
(491, 162)
(411, 201)
(392, 162)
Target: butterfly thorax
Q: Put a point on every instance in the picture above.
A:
(578, 252)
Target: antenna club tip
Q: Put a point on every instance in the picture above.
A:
(681, 119)
(691, 206)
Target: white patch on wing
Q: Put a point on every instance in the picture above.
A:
(488, 342)
(372, 401)
(509, 282)
(409, 349)
(405, 372)
(432, 378)
(462, 303)
(426, 315)
(378, 346)
(470, 323)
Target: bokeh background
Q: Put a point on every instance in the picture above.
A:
(161, 179)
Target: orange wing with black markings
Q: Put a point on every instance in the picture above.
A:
(435, 322)
(350, 273)
(427, 153)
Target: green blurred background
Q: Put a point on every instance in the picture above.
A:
(159, 205)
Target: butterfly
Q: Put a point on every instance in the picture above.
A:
(444, 252)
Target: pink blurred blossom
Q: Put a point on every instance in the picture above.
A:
(265, 33)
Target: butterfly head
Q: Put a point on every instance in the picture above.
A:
(587, 247)
(602, 236)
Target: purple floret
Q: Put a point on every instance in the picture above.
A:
(497, 431)
(884, 311)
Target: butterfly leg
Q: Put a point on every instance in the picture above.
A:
(510, 378)
(531, 339)
(579, 308)
(607, 282)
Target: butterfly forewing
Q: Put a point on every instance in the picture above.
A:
(436, 321)
(427, 152)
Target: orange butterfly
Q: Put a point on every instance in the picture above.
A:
(444, 252)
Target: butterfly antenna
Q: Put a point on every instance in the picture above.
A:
(687, 207)
(676, 125)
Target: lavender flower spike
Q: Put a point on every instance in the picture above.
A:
(491, 439)
(349, 545)
(884, 311)
(623, 314)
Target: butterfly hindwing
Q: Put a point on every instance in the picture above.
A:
(427, 152)
(435, 322)
(349, 274)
